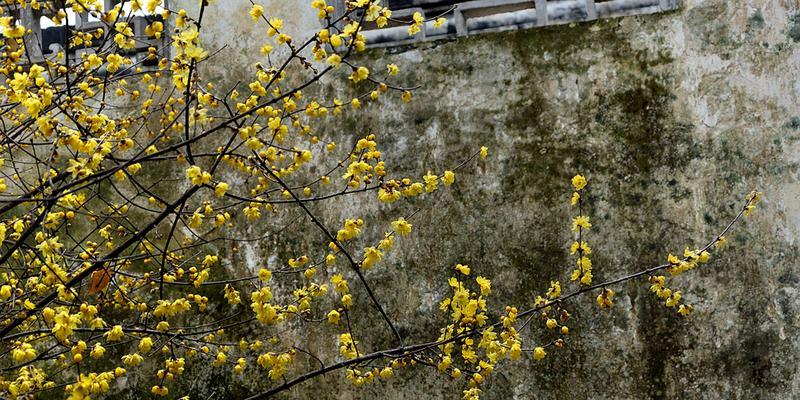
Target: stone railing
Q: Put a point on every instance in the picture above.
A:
(46, 42)
(479, 16)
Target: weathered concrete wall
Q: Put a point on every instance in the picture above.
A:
(673, 117)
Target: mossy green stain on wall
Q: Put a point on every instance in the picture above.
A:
(794, 28)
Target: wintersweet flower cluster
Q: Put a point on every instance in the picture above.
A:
(153, 223)
(581, 225)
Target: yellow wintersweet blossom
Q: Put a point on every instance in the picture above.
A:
(64, 325)
(198, 176)
(347, 346)
(431, 182)
(220, 359)
(416, 26)
(145, 344)
(221, 189)
(402, 226)
(256, 12)
(581, 221)
(351, 230)
(539, 353)
(23, 352)
(360, 74)
(578, 182)
(484, 284)
(371, 257)
(241, 364)
(685, 309)
(605, 299)
(154, 29)
(98, 351)
(333, 317)
(555, 290)
(132, 360)
(334, 60)
(752, 201)
(264, 275)
(448, 178)
(576, 197)
(115, 334)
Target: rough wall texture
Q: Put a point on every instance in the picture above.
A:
(673, 117)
